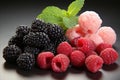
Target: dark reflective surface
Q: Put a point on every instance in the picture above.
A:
(15, 13)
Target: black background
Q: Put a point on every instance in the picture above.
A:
(18, 12)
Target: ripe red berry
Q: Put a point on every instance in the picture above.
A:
(44, 60)
(102, 46)
(109, 55)
(90, 53)
(77, 58)
(60, 63)
(85, 45)
(93, 63)
(64, 48)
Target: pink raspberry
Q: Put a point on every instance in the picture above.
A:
(44, 60)
(107, 34)
(89, 21)
(85, 45)
(94, 63)
(95, 38)
(102, 46)
(77, 58)
(109, 55)
(90, 53)
(60, 63)
(64, 48)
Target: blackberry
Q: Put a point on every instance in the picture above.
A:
(37, 39)
(11, 53)
(55, 31)
(26, 61)
(39, 26)
(51, 48)
(32, 50)
(16, 40)
(22, 30)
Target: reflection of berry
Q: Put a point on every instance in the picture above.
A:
(26, 61)
(44, 60)
(64, 48)
(38, 39)
(22, 30)
(11, 53)
(77, 58)
(60, 63)
(39, 26)
(93, 63)
(109, 55)
(102, 46)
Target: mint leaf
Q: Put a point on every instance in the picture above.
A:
(70, 22)
(75, 7)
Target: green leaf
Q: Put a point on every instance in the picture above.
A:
(70, 22)
(75, 7)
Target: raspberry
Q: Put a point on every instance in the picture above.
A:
(109, 55)
(77, 58)
(102, 46)
(39, 26)
(11, 53)
(22, 30)
(90, 53)
(60, 63)
(44, 60)
(64, 48)
(26, 61)
(38, 39)
(85, 45)
(94, 63)
(55, 31)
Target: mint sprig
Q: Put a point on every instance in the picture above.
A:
(65, 19)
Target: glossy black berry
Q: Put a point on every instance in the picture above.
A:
(22, 30)
(39, 26)
(55, 31)
(37, 39)
(26, 61)
(11, 53)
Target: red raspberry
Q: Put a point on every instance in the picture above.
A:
(109, 55)
(94, 63)
(64, 48)
(90, 53)
(102, 46)
(44, 60)
(85, 45)
(60, 63)
(77, 58)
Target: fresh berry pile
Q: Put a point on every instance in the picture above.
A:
(62, 44)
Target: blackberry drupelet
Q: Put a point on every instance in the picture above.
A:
(51, 48)
(37, 39)
(22, 30)
(39, 26)
(59, 40)
(11, 53)
(55, 31)
(26, 61)
(16, 40)
(32, 50)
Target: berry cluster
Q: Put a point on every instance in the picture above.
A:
(24, 47)
(46, 45)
